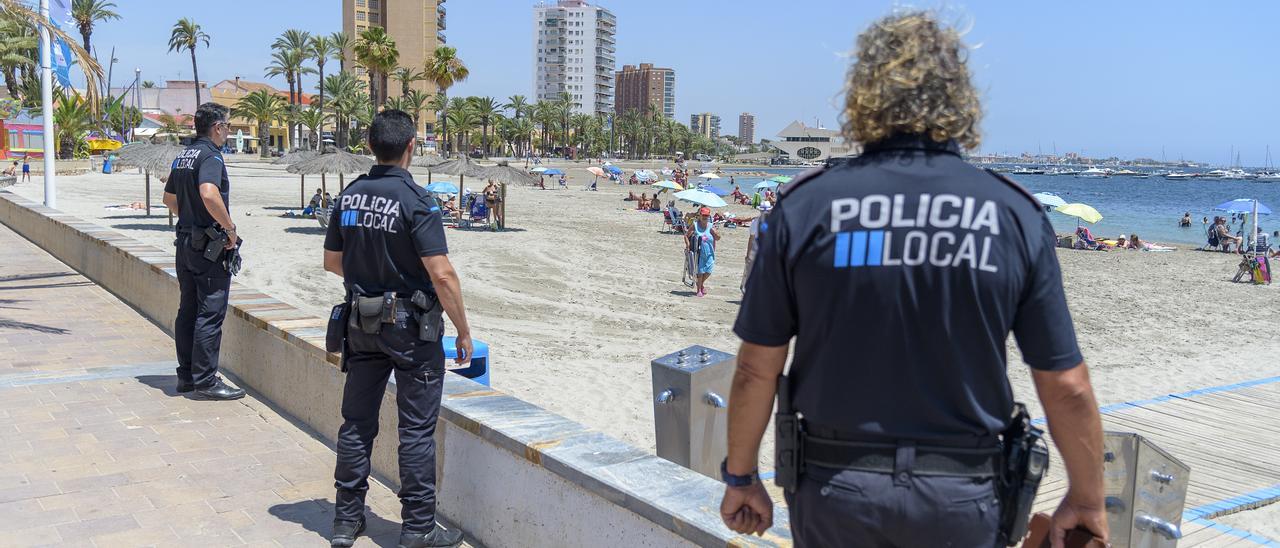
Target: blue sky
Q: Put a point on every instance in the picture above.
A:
(1102, 78)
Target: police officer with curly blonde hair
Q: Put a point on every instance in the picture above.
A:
(899, 275)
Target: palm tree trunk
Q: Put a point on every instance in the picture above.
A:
(262, 139)
(485, 137)
(85, 33)
(195, 73)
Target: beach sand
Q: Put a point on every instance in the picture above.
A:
(581, 292)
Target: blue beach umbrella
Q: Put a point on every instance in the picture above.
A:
(442, 187)
(538, 170)
(613, 169)
(762, 185)
(1050, 199)
(644, 175)
(701, 197)
(553, 171)
(1243, 205)
(714, 190)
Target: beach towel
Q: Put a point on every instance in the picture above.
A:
(1261, 271)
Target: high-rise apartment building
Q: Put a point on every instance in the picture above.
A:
(647, 89)
(573, 52)
(746, 128)
(705, 124)
(416, 26)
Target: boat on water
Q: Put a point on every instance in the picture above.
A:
(1268, 177)
(1063, 171)
(1233, 174)
(1093, 173)
(1179, 176)
(1026, 171)
(1130, 173)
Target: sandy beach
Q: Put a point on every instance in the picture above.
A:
(582, 291)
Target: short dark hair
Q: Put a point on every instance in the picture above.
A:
(391, 131)
(208, 114)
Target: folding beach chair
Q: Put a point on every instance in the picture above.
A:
(322, 215)
(478, 213)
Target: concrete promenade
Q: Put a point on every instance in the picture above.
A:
(96, 449)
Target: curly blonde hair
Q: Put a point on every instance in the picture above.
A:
(910, 77)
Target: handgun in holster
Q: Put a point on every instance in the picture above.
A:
(1024, 461)
(215, 243)
(430, 318)
(788, 430)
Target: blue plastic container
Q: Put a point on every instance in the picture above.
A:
(106, 165)
(479, 369)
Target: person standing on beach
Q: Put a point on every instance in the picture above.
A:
(863, 263)
(26, 169)
(702, 240)
(386, 239)
(199, 193)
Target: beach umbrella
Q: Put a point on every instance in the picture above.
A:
(150, 157)
(428, 160)
(766, 185)
(714, 190)
(1049, 199)
(538, 169)
(612, 169)
(780, 179)
(668, 185)
(294, 157)
(645, 175)
(1243, 205)
(596, 171)
(506, 174)
(709, 175)
(701, 197)
(553, 171)
(1083, 212)
(442, 187)
(333, 160)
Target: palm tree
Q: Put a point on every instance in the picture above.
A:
(414, 103)
(439, 104)
(72, 118)
(407, 76)
(17, 10)
(518, 105)
(314, 119)
(485, 110)
(445, 69)
(342, 42)
(187, 35)
(376, 51)
(148, 84)
(321, 49)
(88, 12)
(291, 53)
(263, 107)
(565, 105)
(170, 127)
(17, 41)
(464, 122)
(345, 88)
(544, 114)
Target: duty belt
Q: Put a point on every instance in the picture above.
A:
(883, 458)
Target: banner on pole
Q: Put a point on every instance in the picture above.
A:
(60, 16)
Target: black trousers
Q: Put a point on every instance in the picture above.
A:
(419, 371)
(203, 287)
(867, 509)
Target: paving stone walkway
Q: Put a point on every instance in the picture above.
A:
(96, 448)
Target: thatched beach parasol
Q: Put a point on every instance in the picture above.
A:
(463, 167)
(294, 157)
(332, 161)
(429, 161)
(150, 157)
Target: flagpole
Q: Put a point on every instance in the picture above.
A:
(46, 108)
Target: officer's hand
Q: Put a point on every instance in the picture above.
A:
(747, 509)
(1071, 515)
(463, 346)
(232, 240)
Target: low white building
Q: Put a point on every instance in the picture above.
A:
(800, 143)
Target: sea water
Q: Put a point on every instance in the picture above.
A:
(1150, 207)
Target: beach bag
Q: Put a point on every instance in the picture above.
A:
(1261, 271)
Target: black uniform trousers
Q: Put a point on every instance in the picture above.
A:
(867, 509)
(203, 286)
(419, 371)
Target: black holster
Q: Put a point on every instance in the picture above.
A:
(1023, 464)
(788, 429)
(430, 316)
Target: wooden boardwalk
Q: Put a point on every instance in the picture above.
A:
(1228, 435)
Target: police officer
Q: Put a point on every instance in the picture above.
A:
(198, 192)
(900, 275)
(386, 239)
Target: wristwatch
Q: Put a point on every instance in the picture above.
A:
(734, 480)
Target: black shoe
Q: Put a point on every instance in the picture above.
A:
(185, 386)
(439, 537)
(219, 391)
(345, 532)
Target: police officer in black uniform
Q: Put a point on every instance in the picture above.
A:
(900, 275)
(386, 239)
(198, 192)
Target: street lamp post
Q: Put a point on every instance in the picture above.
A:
(137, 102)
(46, 109)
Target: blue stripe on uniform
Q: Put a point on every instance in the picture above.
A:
(875, 248)
(842, 249)
(859, 248)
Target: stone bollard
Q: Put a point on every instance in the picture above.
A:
(690, 407)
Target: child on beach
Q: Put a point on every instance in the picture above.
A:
(26, 170)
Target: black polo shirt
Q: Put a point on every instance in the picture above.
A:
(901, 274)
(384, 224)
(200, 163)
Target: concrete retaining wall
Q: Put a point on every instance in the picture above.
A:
(511, 473)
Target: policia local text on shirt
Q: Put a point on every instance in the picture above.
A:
(900, 274)
(386, 239)
(198, 192)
